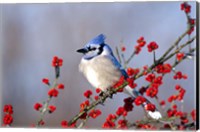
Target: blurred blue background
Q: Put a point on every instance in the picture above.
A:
(34, 33)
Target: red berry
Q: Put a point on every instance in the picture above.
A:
(192, 21)
(64, 123)
(150, 107)
(123, 48)
(45, 81)
(41, 122)
(177, 87)
(150, 77)
(171, 113)
(193, 114)
(172, 98)
(152, 46)
(111, 117)
(37, 106)
(96, 97)
(108, 124)
(52, 108)
(130, 71)
(8, 109)
(137, 49)
(7, 119)
(142, 44)
(84, 104)
(174, 106)
(98, 90)
(179, 56)
(131, 83)
(122, 124)
(119, 83)
(182, 6)
(140, 39)
(53, 92)
(95, 113)
(151, 92)
(88, 93)
(191, 30)
(57, 62)
(162, 102)
(158, 80)
(163, 68)
(139, 100)
(61, 86)
(186, 7)
(184, 76)
(120, 111)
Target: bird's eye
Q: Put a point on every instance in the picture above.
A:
(93, 48)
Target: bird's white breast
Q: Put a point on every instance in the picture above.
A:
(100, 72)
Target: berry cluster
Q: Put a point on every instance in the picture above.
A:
(140, 43)
(132, 72)
(121, 112)
(186, 7)
(119, 83)
(152, 46)
(191, 22)
(8, 118)
(139, 100)
(52, 92)
(180, 75)
(155, 82)
(179, 96)
(163, 68)
(57, 62)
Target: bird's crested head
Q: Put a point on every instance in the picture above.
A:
(95, 47)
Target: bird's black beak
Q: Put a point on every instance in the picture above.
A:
(83, 50)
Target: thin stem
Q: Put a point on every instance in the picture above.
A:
(159, 106)
(124, 60)
(175, 44)
(130, 58)
(190, 47)
(82, 124)
(43, 111)
(118, 56)
(154, 57)
(46, 104)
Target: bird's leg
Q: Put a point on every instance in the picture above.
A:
(102, 93)
(109, 93)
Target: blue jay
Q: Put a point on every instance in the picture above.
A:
(103, 70)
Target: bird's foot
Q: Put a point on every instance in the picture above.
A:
(110, 93)
(101, 97)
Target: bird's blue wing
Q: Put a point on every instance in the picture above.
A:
(118, 65)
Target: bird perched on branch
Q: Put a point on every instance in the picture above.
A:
(103, 70)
